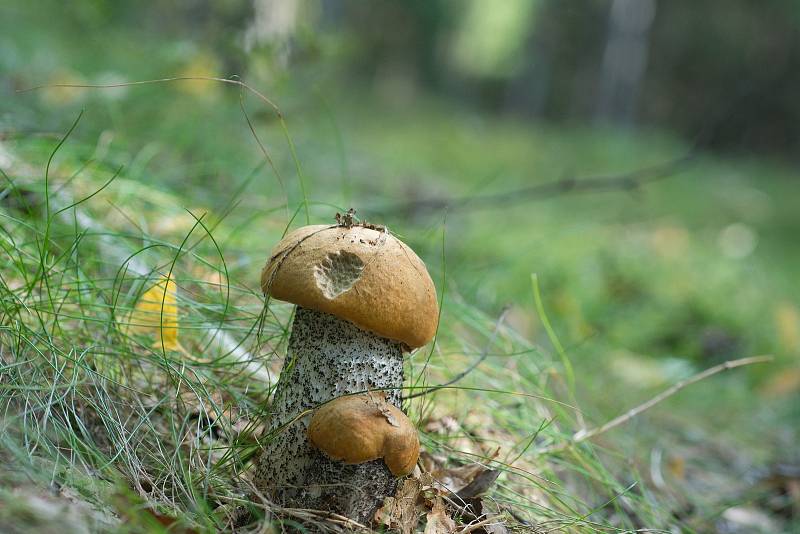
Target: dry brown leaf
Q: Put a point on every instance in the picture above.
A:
(442, 425)
(401, 511)
(429, 463)
(496, 526)
(383, 515)
(479, 485)
(437, 520)
(389, 417)
(452, 479)
(170, 523)
(407, 498)
(471, 435)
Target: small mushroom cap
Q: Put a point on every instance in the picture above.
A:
(359, 428)
(361, 275)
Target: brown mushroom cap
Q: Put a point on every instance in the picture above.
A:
(362, 275)
(360, 428)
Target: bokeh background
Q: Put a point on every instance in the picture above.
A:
(436, 117)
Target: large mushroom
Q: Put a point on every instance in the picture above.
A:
(363, 299)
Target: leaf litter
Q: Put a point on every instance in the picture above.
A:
(441, 499)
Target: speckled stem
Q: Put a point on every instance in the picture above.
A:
(327, 358)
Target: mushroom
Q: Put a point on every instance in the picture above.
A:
(360, 428)
(363, 299)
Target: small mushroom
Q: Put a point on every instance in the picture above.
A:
(360, 428)
(363, 299)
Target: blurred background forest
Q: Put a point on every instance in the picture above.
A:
(724, 72)
(439, 118)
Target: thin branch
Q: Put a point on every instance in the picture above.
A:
(595, 184)
(583, 435)
(472, 367)
(240, 83)
(472, 527)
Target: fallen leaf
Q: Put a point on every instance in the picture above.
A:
(442, 425)
(676, 466)
(156, 314)
(438, 521)
(408, 516)
(134, 511)
(479, 485)
(170, 523)
(455, 479)
(429, 462)
(496, 527)
(783, 383)
(400, 512)
(389, 417)
(383, 515)
(787, 323)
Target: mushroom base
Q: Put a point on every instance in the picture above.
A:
(327, 358)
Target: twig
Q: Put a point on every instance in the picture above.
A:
(472, 367)
(492, 520)
(240, 83)
(583, 435)
(619, 182)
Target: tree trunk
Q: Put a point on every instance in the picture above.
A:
(327, 358)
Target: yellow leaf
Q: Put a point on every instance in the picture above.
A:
(156, 314)
(787, 323)
(676, 466)
(202, 65)
(783, 383)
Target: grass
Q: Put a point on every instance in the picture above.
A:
(83, 395)
(635, 292)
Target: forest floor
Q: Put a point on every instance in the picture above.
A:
(579, 303)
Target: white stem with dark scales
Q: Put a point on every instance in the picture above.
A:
(327, 358)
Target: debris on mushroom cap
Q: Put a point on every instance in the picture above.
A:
(361, 274)
(360, 428)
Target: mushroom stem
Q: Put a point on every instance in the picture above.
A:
(327, 358)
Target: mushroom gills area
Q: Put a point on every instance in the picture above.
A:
(327, 358)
